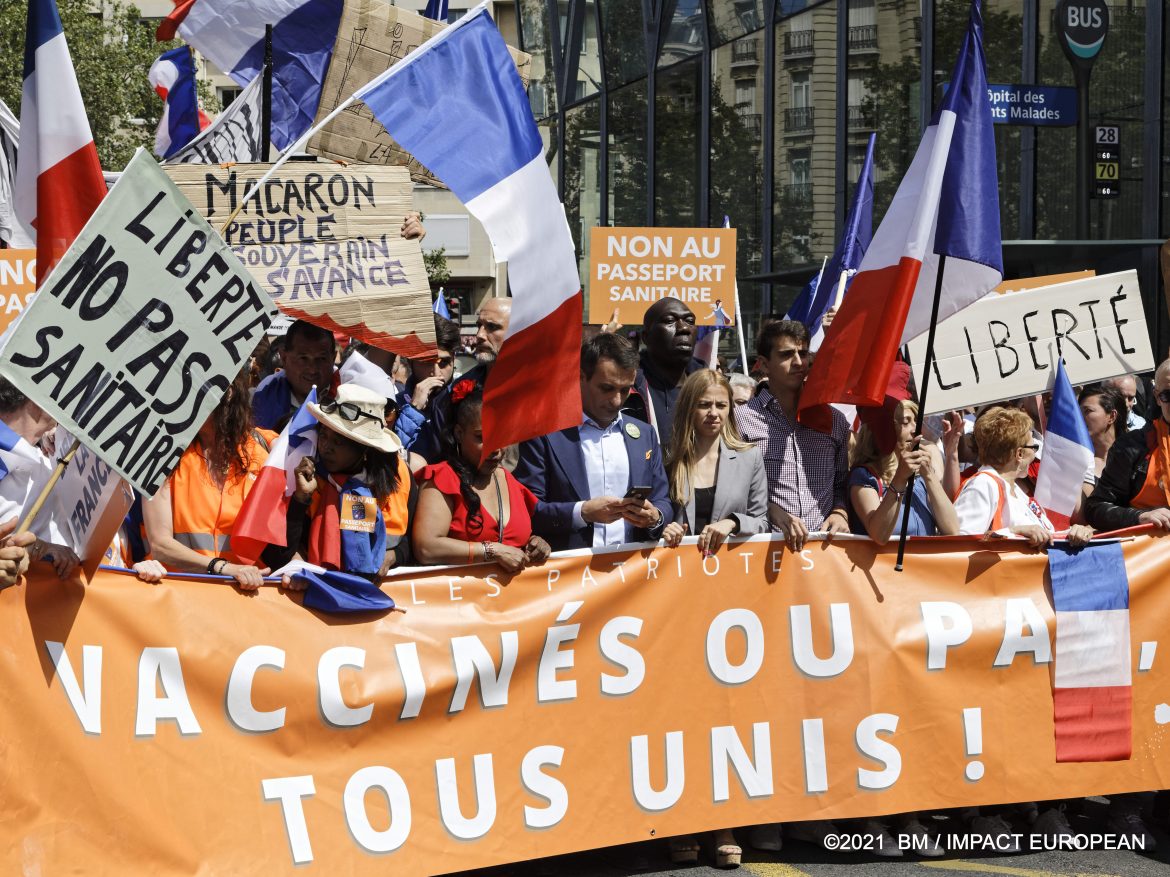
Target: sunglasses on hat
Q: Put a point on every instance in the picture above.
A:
(351, 412)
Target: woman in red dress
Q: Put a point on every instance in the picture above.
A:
(472, 512)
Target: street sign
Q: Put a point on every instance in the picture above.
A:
(1106, 161)
(1032, 104)
(1081, 26)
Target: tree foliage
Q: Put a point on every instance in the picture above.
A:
(112, 50)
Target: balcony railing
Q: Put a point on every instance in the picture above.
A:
(753, 122)
(798, 119)
(797, 194)
(745, 52)
(798, 42)
(864, 37)
(861, 116)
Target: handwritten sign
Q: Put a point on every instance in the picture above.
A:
(1005, 346)
(632, 268)
(324, 241)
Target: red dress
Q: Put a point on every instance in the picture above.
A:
(521, 501)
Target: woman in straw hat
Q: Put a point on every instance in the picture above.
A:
(358, 494)
(471, 511)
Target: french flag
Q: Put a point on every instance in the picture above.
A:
(15, 452)
(835, 276)
(59, 180)
(1068, 454)
(230, 33)
(1092, 675)
(478, 136)
(172, 76)
(947, 204)
(261, 521)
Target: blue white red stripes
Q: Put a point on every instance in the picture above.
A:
(1068, 454)
(230, 34)
(478, 136)
(262, 518)
(1092, 673)
(947, 204)
(59, 180)
(172, 76)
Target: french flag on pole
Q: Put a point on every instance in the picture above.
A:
(947, 204)
(1068, 454)
(59, 180)
(262, 517)
(172, 77)
(478, 136)
(230, 33)
(830, 284)
(1092, 675)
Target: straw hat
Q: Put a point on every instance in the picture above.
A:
(368, 412)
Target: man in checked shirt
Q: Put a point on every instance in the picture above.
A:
(808, 471)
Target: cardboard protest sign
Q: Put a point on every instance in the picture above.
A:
(18, 283)
(373, 36)
(631, 268)
(139, 329)
(236, 135)
(323, 240)
(1019, 284)
(596, 700)
(1004, 347)
(93, 500)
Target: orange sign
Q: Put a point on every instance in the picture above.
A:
(18, 283)
(1020, 284)
(600, 699)
(631, 268)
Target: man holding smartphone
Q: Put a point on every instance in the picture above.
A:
(601, 483)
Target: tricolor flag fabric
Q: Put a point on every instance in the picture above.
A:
(436, 10)
(172, 77)
(230, 33)
(1068, 454)
(478, 136)
(262, 517)
(12, 231)
(837, 273)
(1092, 673)
(235, 135)
(707, 345)
(15, 452)
(947, 204)
(440, 306)
(59, 180)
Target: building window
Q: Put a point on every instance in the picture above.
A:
(227, 94)
(745, 97)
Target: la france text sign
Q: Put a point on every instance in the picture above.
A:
(1005, 346)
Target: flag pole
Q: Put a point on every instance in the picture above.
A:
(62, 463)
(927, 365)
(743, 363)
(266, 96)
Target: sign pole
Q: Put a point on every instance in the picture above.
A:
(266, 96)
(62, 463)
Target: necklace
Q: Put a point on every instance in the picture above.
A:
(499, 508)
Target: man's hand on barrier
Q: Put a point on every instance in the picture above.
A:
(673, 534)
(1079, 535)
(1160, 518)
(150, 571)
(836, 522)
(537, 550)
(793, 528)
(249, 578)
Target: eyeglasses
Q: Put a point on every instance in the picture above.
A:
(444, 361)
(351, 412)
(785, 355)
(1164, 396)
(1031, 447)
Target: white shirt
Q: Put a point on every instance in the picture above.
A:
(607, 467)
(979, 499)
(1134, 421)
(28, 471)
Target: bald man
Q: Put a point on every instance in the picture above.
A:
(491, 325)
(1127, 386)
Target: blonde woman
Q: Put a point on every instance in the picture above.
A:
(878, 484)
(717, 481)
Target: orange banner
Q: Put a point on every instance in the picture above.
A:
(190, 728)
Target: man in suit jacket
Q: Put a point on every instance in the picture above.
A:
(581, 475)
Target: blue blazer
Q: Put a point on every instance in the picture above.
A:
(553, 468)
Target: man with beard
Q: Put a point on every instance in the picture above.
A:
(668, 333)
(491, 325)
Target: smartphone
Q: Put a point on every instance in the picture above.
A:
(638, 492)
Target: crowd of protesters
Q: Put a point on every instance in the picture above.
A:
(666, 448)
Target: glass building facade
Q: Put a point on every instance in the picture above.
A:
(679, 112)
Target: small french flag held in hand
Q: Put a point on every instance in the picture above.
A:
(262, 518)
(1068, 454)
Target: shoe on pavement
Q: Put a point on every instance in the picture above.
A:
(1131, 825)
(766, 837)
(1052, 823)
(884, 844)
(813, 831)
(917, 839)
(998, 828)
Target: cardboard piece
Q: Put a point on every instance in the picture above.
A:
(1019, 284)
(323, 240)
(1005, 347)
(372, 37)
(631, 268)
(139, 329)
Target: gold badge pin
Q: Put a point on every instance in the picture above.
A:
(649, 453)
(632, 430)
